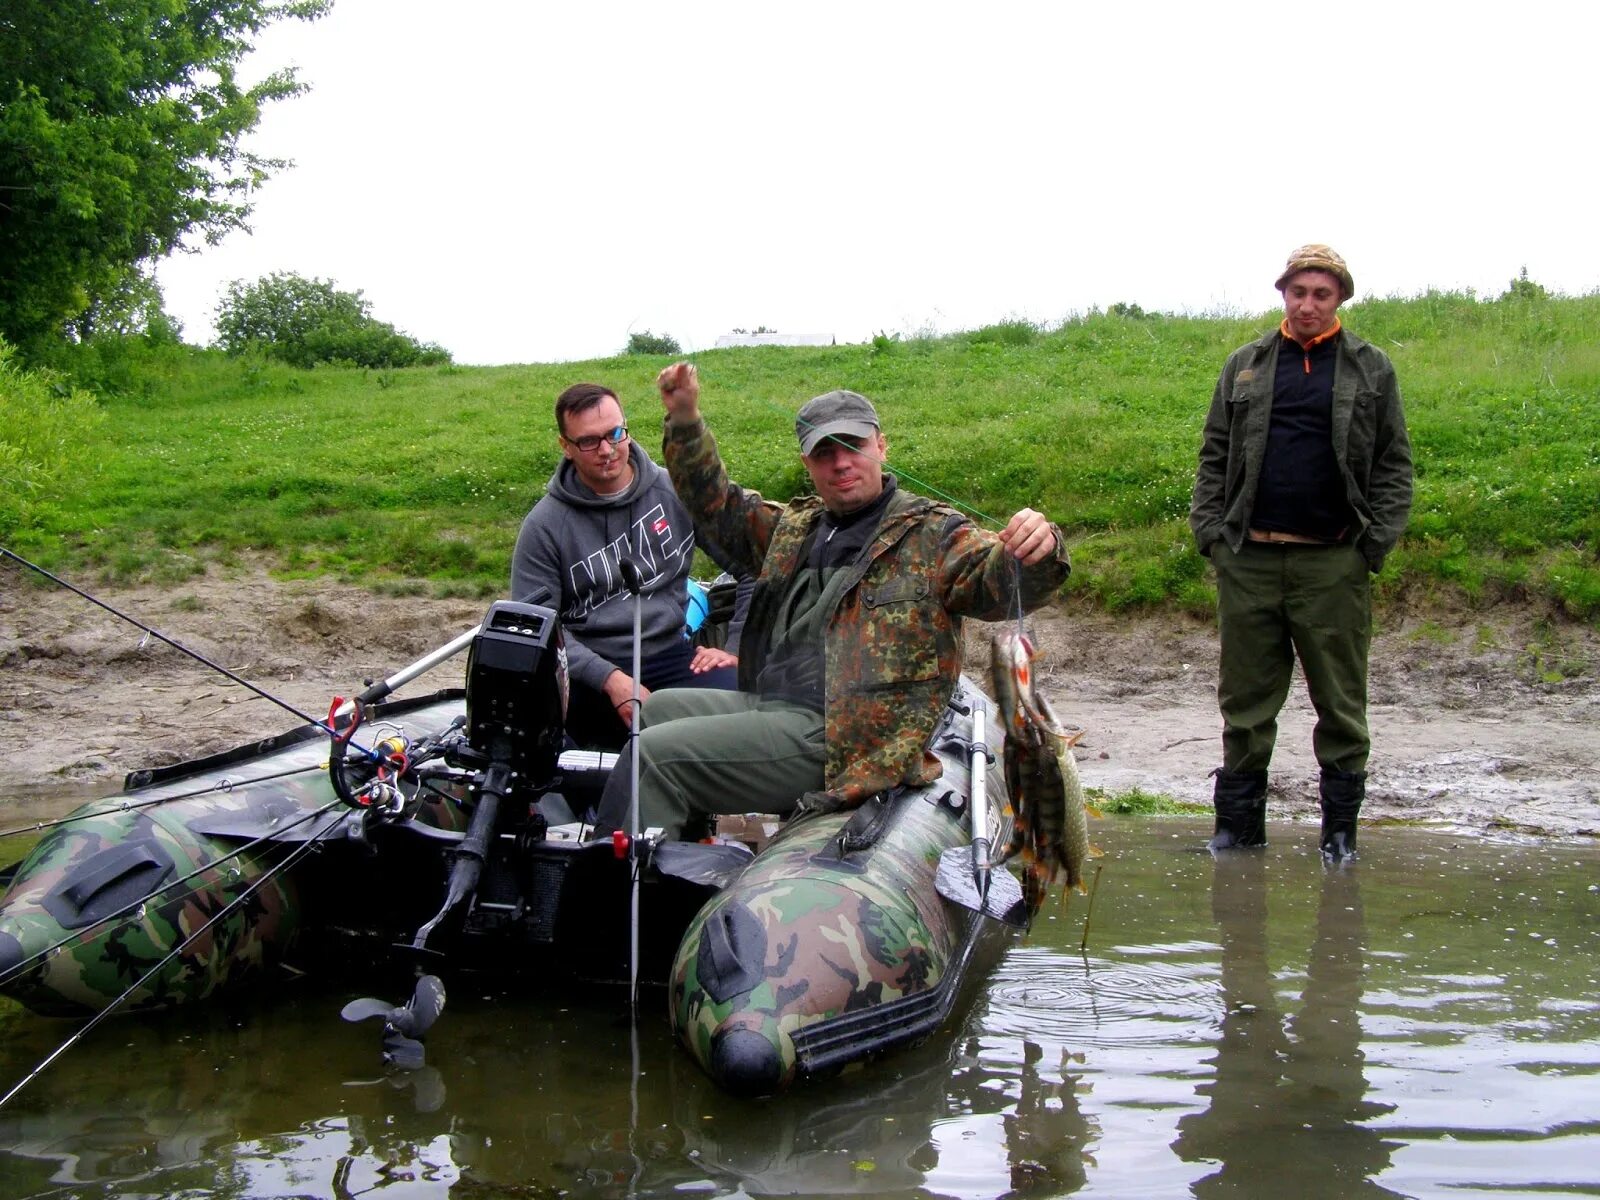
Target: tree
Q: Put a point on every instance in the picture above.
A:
(120, 131)
(1523, 288)
(132, 307)
(304, 321)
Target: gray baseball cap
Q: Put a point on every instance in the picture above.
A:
(847, 414)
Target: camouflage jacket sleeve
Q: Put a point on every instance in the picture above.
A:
(740, 522)
(979, 578)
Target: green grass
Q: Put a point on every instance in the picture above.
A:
(401, 478)
(1137, 802)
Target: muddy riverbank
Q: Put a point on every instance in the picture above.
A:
(1482, 722)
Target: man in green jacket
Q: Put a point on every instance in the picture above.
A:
(1304, 486)
(852, 645)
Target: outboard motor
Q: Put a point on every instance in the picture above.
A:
(516, 707)
(517, 690)
(523, 881)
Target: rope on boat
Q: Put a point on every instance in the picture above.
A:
(222, 785)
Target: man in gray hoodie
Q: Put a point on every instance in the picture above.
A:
(605, 500)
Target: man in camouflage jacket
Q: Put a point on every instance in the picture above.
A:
(889, 621)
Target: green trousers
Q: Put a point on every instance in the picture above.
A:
(1276, 602)
(703, 753)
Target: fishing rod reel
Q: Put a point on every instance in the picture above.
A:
(517, 689)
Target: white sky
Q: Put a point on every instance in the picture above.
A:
(526, 181)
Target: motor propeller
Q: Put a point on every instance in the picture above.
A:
(403, 1027)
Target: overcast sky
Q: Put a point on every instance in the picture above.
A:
(527, 182)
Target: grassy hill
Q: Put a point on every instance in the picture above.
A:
(419, 478)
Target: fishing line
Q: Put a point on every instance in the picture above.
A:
(222, 785)
(298, 853)
(97, 927)
(1016, 564)
(194, 654)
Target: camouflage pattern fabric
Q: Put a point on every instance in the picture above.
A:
(893, 644)
(118, 853)
(89, 972)
(820, 936)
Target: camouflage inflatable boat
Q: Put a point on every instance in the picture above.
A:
(438, 835)
(835, 944)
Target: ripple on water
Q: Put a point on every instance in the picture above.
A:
(1086, 1001)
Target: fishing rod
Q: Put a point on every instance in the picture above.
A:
(98, 926)
(156, 633)
(633, 581)
(342, 708)
(299, 852)
(179, 646)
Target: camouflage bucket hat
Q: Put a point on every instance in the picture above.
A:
(1316, 257)
(846, 414)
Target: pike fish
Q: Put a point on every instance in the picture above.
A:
(1050, 828)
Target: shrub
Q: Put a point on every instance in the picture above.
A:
(304, 322)
(649, 343)
(46, 425)
(1015, 332)
(1523, 288)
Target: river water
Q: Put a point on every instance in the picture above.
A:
(1425, 1022)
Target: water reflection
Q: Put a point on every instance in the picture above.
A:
(949, 1120)
(1047, 1136)
(1427, 1022)
(1287, 1100)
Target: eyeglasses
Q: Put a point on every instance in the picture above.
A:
(591, 442)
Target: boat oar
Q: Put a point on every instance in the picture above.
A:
(405, 675)
(427, 662)
(966, 874)
(289, 860)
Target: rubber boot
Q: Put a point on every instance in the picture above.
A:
(1342, 794)
(1240, 798)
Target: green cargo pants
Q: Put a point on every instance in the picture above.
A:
(703, 753)
(1276, 602)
